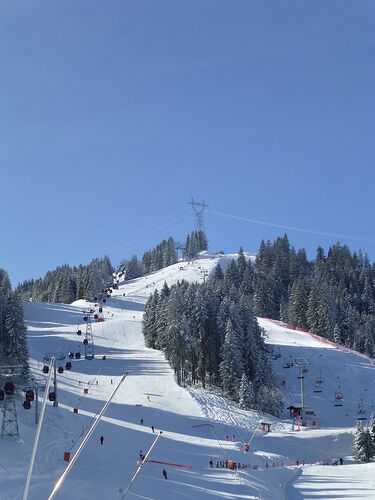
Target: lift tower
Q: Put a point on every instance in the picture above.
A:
(9, 426)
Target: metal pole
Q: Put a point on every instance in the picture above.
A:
(55, 403)
(37, 435)
(83, 444)
(36, 405)
(302, 377)
(140, 466)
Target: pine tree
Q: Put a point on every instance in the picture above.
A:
(246, 394)
(363, 444)
(231, 364)
(15, 348)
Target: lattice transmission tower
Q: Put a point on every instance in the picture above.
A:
(9, 425)
(198, 209)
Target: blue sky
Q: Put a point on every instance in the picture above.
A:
(113, 114)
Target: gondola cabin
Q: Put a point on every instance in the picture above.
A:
(29, 396)
(45, 369)
(71, 355)
(26, 404)
(52, 396)
(68, 365)
(78, 355)
(60, 369)
(9, 388)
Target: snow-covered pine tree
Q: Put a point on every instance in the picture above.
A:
(246, 393)
(363, 444)
(15, 349)
(231, 365)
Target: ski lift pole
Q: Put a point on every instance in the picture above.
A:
(38, 429)
(83, 444)
(140, 466)
(255, 431)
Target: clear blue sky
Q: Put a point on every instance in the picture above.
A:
(114, 113)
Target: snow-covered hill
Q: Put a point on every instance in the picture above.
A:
(149, 397)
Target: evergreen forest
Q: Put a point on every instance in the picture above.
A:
(13, 343)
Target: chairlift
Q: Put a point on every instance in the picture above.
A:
(361, 412)
(286, 364)
(338, 397)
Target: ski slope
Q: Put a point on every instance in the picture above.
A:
(150, 393)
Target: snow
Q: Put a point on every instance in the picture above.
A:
(194, 422)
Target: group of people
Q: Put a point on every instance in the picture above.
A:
(223, 464)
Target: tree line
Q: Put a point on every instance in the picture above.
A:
(163, 255)
(66, 284)
(13, 343)
(210, 335)
(332, 295)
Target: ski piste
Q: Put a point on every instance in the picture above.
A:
(195, 422)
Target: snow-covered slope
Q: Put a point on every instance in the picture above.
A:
(149, 393)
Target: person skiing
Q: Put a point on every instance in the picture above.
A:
(165, 474)
(148, 398)
(141, 421)
(341, 461)
(152, 428)
(101, 439)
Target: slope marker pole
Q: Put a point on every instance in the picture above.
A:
(83, 444)
(140, 466)
(38, 429)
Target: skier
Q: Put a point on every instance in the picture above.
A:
(341, 461)
(101, 439)
(211, 464)
(152, 428)
(141, 421)
(227, 438)
(165, 474)
(148, 398)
